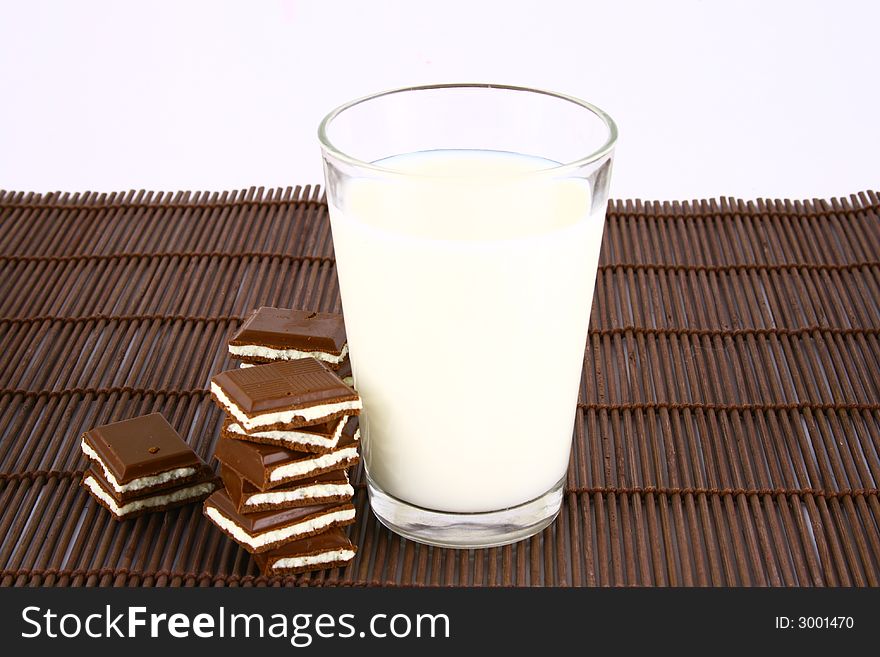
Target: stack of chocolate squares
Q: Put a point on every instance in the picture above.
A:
(142, 465)
(291, 433)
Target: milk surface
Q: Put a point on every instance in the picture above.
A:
(466, 286)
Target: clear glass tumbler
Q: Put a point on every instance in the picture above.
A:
(467, 221)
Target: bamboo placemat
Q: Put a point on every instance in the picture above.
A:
(728, 428)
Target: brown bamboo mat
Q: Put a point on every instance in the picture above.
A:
(728, 430)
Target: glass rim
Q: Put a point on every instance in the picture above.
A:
(329, 148)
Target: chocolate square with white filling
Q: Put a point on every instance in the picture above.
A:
(135, 504)
(330, 549)
(284, 395)
(265, 530)
(317, 438)
(323, 489)
(141, 455)
(271, 334)
(269, 466)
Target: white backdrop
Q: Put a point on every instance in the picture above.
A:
(748, 99)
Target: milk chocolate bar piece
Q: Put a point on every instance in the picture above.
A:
(323, 489)
(271, 334)
(269, 466)
(330, 549)
(318, 438)
(265, 530)
(141, 455)
(284, 395)
(195, 490)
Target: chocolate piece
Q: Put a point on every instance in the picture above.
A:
(319, 438)
(284, 395)
(264, 530)
(323, 489)
(272, 334)
(270, 466)
(141, 454)
(196, 490)
(330, 549)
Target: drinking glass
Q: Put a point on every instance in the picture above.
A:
(467, 221)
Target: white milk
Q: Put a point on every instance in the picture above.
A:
(466, 304)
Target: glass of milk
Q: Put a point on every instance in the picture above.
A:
(467, 221)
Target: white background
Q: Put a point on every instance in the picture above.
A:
(748, 99)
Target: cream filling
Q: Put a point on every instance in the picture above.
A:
(314, 559)
(148, 502)
(304, 493)
(276, 535)
(257, 351)
(318, 463)
(310, 414)
(136, 484)
(300, 437)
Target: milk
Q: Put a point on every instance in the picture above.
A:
(466, 286)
